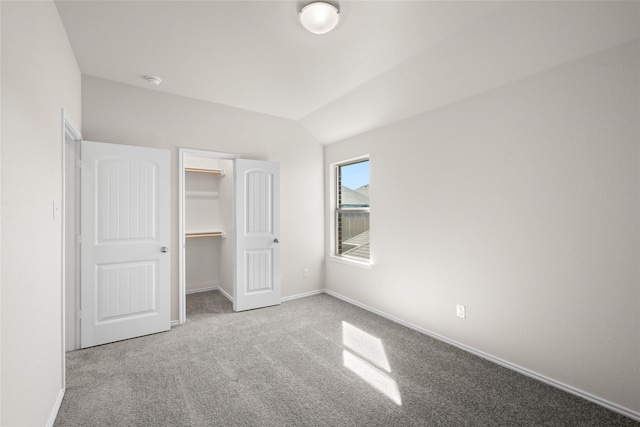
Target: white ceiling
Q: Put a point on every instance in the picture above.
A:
(386, 60)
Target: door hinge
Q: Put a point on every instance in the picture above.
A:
(79, 163)
(79, 239)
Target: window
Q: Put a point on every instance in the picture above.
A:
(352, 210)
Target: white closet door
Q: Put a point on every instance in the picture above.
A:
(125, 223)
(257, 218)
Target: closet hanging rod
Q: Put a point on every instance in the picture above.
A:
(211, 171)
(212, 234)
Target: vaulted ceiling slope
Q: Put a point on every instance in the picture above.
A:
(386, 60)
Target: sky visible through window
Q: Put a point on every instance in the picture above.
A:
(356, 175)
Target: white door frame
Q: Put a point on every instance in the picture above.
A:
(68, 278)
(182, 281)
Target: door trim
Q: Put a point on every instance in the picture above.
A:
(182, 282)
(68, 132)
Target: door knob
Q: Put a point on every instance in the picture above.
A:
(164, 249)
(276, 241)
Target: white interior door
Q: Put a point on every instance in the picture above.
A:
(125, 229)
(257, 221)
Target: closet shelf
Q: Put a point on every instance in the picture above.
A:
(211, 171)
(206, 234)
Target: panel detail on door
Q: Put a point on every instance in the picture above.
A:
(125, 190)
(259, 193)
(259, 264)
(125, 290)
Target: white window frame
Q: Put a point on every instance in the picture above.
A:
(333, 233)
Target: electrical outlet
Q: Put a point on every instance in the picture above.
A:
(305, 273)
(461, 311)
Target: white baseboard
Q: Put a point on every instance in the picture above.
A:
(211, 288)
(230, 298)
(304, 295)
(223, 292)
(195, 291)
(569, 389)
(56, 408)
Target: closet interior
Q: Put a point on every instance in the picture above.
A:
(208, 224)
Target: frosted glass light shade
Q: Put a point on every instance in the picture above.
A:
(319, 17)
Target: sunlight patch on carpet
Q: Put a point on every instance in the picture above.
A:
(365, 356)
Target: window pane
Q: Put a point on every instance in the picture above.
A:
(352, 213)
(353, 234)
(353, 189)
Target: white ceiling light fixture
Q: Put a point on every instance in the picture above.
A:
(319, 17)
(153, 80)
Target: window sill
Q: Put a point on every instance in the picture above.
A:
(349, 261)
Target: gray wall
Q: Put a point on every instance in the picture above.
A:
(123, 114)
(39, 78)
(521, 203)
